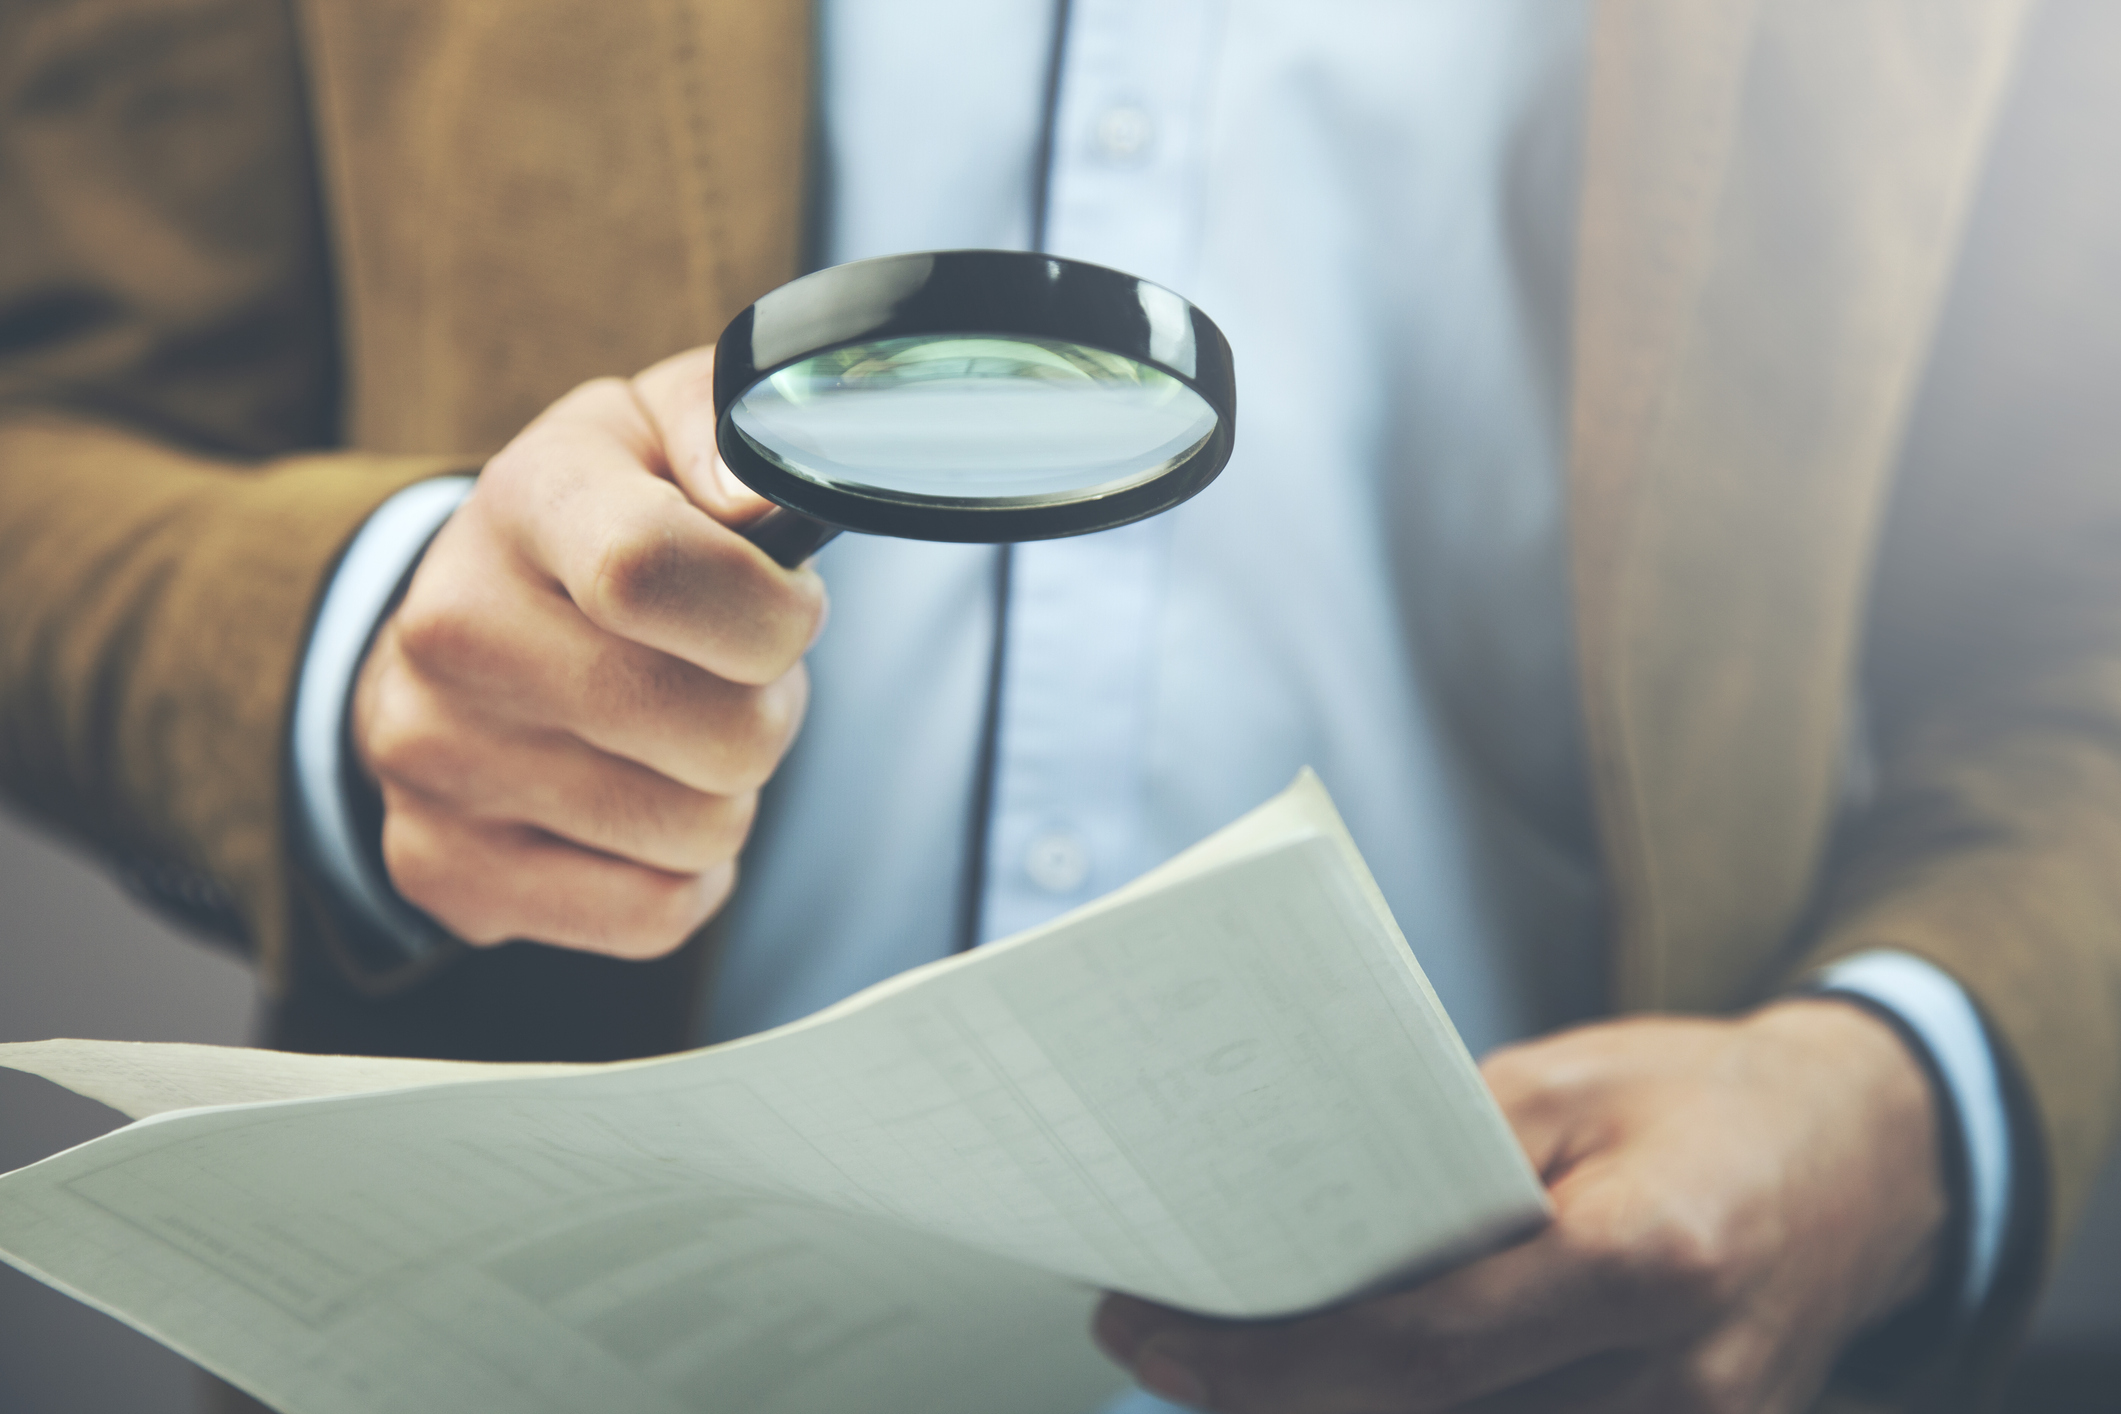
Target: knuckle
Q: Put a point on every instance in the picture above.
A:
(1616, 1261)
(509, 469)
(384, 716)
(776, 712)
(646, 574)
(729, 824)
(672, 827)
(434, 631)
(390, 750)
(682, 911)
(408, 860)
(803, 617)
(658, 917)
(1526, 1067)
(800, 617)
(715, 886)
(1518, 1082)
(589, 395)
(406, 746)
(785, 702)
(718, 829)
(427, 880)
(1726, 1375)
(1685, 1255)
(1704, 1390)
(599, 389)
(757, 734)
(697, 834)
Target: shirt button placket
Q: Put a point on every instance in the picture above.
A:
(1070, 791)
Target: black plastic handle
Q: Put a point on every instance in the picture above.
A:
(788, 537)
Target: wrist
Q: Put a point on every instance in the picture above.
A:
(382, 938)
(1866, 1073)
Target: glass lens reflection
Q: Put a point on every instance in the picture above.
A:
(999, 421)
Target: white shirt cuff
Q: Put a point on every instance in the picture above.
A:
(362, 591)
(1935, 1009)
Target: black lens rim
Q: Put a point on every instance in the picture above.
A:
(974, 292)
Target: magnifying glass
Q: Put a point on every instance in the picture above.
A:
(969, 395)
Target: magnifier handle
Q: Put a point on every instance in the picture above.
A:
(788, 537)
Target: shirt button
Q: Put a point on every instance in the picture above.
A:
(1057, 862)
(1123, 132)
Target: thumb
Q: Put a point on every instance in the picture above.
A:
(1545, 1112)
(678, 397)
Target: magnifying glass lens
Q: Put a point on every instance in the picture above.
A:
(956, 419)
(969, 396)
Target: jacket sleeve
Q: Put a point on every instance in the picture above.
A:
(1993, 669)
(166, 347)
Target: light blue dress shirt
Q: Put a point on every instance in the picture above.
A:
(1375, 200)
(1378, 213)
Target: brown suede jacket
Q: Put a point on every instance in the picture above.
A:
(1847, 355)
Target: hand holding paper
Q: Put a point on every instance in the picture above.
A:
(1733, 1198)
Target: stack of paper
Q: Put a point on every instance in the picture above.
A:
(1226, 1087)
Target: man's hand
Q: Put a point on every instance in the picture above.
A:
(571, 713)
(1734, 1200)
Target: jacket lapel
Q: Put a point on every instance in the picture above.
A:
(1772, 194)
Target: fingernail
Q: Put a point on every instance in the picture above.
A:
(1165, 1376)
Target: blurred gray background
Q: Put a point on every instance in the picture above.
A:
(77, 958)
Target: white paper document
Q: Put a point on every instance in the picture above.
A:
(1226, 1087)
